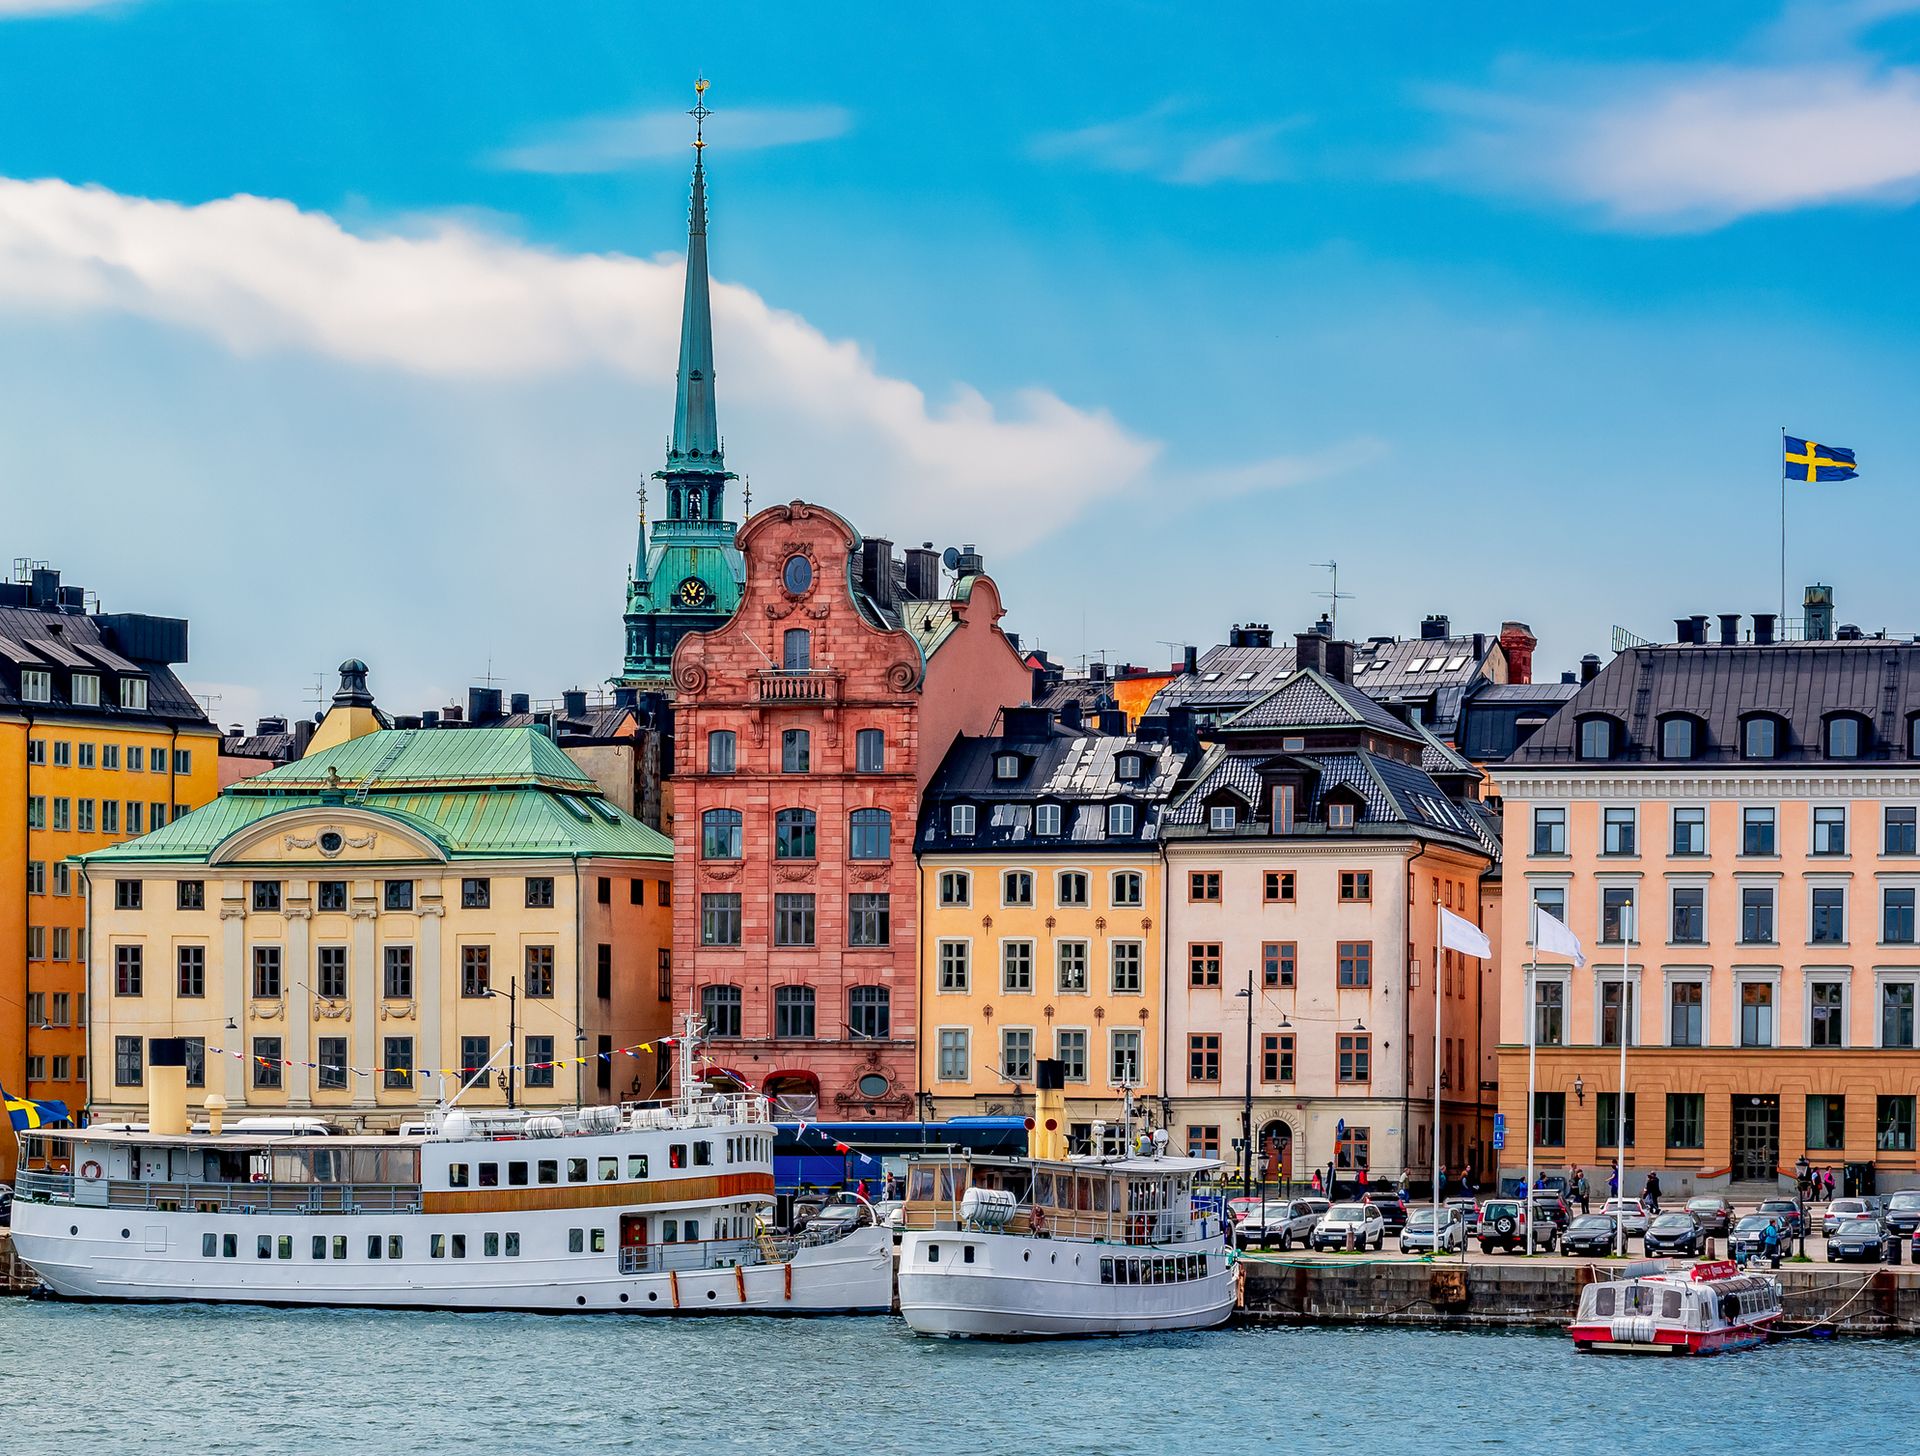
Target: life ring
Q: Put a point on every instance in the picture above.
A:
(90, 1171)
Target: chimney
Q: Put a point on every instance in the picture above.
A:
(1340, 661)
(1567, 677)
(44, 588)
(1180, 732)
(574, 702)
(1819, 613)
(1112, 720)
(923, 573)
(1518, 642)
(1729, 629)
(1763, 628)
(483, 705)
(452, 714)
(971, 562)
(1070, 713)
(1311, 650)
(1683, 631)
(271, 725)
(1096, 671)
(1025, 724)
(406, 720)
(1041, 685)
(876, 569)
(430, 718)
(1190, 660)
(1589, 667)
(520, 703)
(1435, 626)
(1324, 626)
(302, 736)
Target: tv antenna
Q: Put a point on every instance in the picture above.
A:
(1334, 595)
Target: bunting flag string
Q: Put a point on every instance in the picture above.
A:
(450, 1072)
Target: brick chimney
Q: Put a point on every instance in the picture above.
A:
(1517, 641)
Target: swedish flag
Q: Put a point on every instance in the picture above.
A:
(26, 1114)
(1806, 460)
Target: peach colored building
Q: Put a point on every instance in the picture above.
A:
(1730, 829)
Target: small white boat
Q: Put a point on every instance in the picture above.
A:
(1654, 1309)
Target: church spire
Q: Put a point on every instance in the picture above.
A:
(696, 430)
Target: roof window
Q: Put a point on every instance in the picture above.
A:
(1006, 766)
(1417, 664)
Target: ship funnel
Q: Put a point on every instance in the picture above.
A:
(167, 1085)
(1049, 1109)
(216, 1106)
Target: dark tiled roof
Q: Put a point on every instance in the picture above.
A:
(1801, 682)
(1078, 771)
(1310, 700)
(1500, 716)
(275, 747)
(1386, 667)
(64, 641)
(1416, 667)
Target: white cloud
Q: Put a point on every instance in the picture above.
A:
(21, 9)
(612, 143)
(1173, 143)
(1283, 472)
(261, 276)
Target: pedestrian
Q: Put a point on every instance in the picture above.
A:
(1403, 1188)
(1580, 1187)
(1652, 1195)
(1613, 1183)
(1829, 1178)
(1441, 1181)
(1316, 1186)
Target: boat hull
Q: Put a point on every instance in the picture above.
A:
(1600, 1339)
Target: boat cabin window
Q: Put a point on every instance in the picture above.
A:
(263, 1246)
(319, 1246)
(576, 1170)
(490, 1246)
(459, 1246)
(373, 1246)
(636, 1165)
(489, 1175)
(517, 1175)
(576, 1241)
(436, 1246)
(394, 1245)
(284, 1248)
(549, 1170)
(1603, 1303)
(933, 1253)
(1670, 1304)
(609, 1169)
(339, 1246)
(457, 1175)
(703, 1155)
(966, 1253)
(920, 1183)
(1043, 1188)
(669, 1230)
(513, 1246)
(209, 1245)
(677, 1155)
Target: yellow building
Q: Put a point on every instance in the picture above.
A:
(99, 743)
(1041, 893)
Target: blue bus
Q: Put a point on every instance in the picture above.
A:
(807, 1156)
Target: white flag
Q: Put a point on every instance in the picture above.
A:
(1552, 936)
(1463, 936)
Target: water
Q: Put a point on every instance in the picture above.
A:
(217, 1380)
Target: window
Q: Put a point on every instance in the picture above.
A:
(1277, 887)
(1276, 1057)
(1756, 915)
(190, 895)
(157, 816)
(1071, 889)
(330, 972)
(1893, 1121)
(540, 892)
(871, 834)
(1123, 1057)
(1896, 1014)
(1070, 966)
(955, 960)
(792, 1011)
(720, 919)
(331, 895)
(664, 988)
(1679, 738)
(36, 686)
(869, 1012)
(1203, 1057)
(1119, 821)
(953, 1054)
(1016, 965)
(1596, 738)
(86, 694)
(1898, 833)
(1223, 816)
(192, 970)
(127, 970)
(109, 816)
(1549, 831)
(539, 1068)
(36, 751)
(396, 1062)
(721, 748)
(1828, 1026)
(603, 891)
(331, 1063)
(869, 920)
(1617, 831)
(1356, 1056)
(1016, 888)
(1549, 1119)
(136, 815)
(1689, 831)
(1846, 736)
(266, 895)
(1356, 885)
(136, 758)
(133, 693)
(1606, 1115)
(1129, 889)
(793, 834)
(397, 894)
(1070, 1046)
(796, 750)
(127, 1066)
(720, 1009)
(720, 834)
(1126, 959)
(796, 650)
(1610, 1018)
(1757, 831)
(1829, 829)
(793, 919)
(397, 972)
(1896, 915)
(86, 755)
(960, 819)
(36, 811)
(1016, 1053)
(1353, 961)
(1006, 766)
(1616, 915)
(1686, 1119)
(1826, 1123)
(63, 813)
(1689, 925)
(1203, 1141)
(1203, 886)
(63, 754)
(126, 894)
(1686, 1016)
(869, 751)
(1756, 1014)
(956, 888)
(1549, 1013)
(183, 761)
(539, 971)
(476, 970)
(267, 1059)
(1829, 923)
(266, 972)
(476, 894)
(1760, 737)
(1203, 963)
(1340, 815)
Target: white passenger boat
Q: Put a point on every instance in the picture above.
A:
(1058, 1245)
(1655, 1309)
(637, 1209)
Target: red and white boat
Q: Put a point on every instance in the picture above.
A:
(1655, 1309)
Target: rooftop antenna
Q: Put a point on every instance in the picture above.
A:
(747, 481)
(489, 680)
(317, 694)
(207, 700)
(1334, 595)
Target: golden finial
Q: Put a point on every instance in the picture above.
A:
(699, 113)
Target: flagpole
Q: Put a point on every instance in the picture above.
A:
(1783, 531)
(1439, 931)
(1533, 970)
(1620, 1096)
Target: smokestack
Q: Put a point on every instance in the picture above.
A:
(1518, 642)
(167, 1086)
(1435, 626)
(1683, 631)
(573, 703)
(1190, 659)
(1589, 667)
(1112, 721)
(1049, 1140)
(1763, 628)
(1729, 629)
(1340, 661)
(1310, 649)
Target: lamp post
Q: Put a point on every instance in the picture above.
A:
(513, 1032)
(1246, 1107)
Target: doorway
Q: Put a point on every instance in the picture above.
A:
(1756, 1138)
(1275, 1153)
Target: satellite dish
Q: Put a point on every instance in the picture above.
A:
(950, 558)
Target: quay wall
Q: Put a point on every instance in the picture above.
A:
(1841, 1299)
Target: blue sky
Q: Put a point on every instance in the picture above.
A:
(347, 328)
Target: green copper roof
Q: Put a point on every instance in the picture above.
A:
(427, 757)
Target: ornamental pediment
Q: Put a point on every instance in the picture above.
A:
(331, 834)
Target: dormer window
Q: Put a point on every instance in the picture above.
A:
(1760, 736)
(1006, 766)
(1599, 738)
(1119, 821)
(961, 819)
(1679, 737)
(36, 685)
(133, 693)
(1847, 736)
(1222, 816)
(1046, 820)
(1913, 736)
(1339, 815)
(86, 690)
(1128, 767)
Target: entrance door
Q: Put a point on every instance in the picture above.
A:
(633, 1243)
(1275, 1154)
(1756, 1138)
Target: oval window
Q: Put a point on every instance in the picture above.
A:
(874, 1085)
(798, 574)
(330, 842)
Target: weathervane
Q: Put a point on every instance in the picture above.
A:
(699, 113)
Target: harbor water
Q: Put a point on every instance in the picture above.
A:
(101, 1380)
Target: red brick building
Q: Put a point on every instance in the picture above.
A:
(806, 728)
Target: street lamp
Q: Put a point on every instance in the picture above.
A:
(513, 1032)
(1246, 1110)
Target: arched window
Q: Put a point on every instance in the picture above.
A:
(870, 1013)
(1847, 736)
(1913, 736)
(871, 835)
(1680, 737)
(1760, 736)
(796, 650)
(720, 834)
(1016, 887)
(793, 834)
(720, 1009)
(1046, 820)
(793, 1011)
(1120, 821)
(1599, 737)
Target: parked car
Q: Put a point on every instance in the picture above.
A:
(1630, 1212)
(1903, 1212)
(1278, 1224)
(1590, 1233)
(1239, 1208)
(1360, 1222)
(1793, 1216)
(1501, 1227)
(1418, 1235)
(1745, 1240)
(1674, 1233)
(1715, 1213)
(1393, 1213)
(1858, 1240)
(6, 1205)
(1548, 1204)
(1469, 1213)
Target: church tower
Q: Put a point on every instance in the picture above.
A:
(687, 575)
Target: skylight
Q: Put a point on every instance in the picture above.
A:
(1417, 664)
(1454, 664)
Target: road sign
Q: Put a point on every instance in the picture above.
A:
(1499, 1131)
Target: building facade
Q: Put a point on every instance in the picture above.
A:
(805, 729)
(1305, 864)
(99, 741)
(1040, 868)
(1729, 827)
(353, 934)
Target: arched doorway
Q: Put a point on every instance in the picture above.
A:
(795, 1093)
(1274, 1149)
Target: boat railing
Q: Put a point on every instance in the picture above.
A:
(190, 1197)
(683, 1257)
(708, 1111)
(40, 1186)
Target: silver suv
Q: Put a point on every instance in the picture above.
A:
(1279, 1224)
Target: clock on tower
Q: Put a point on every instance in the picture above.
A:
(693, 593)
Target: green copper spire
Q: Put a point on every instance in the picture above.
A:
(696, 429)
